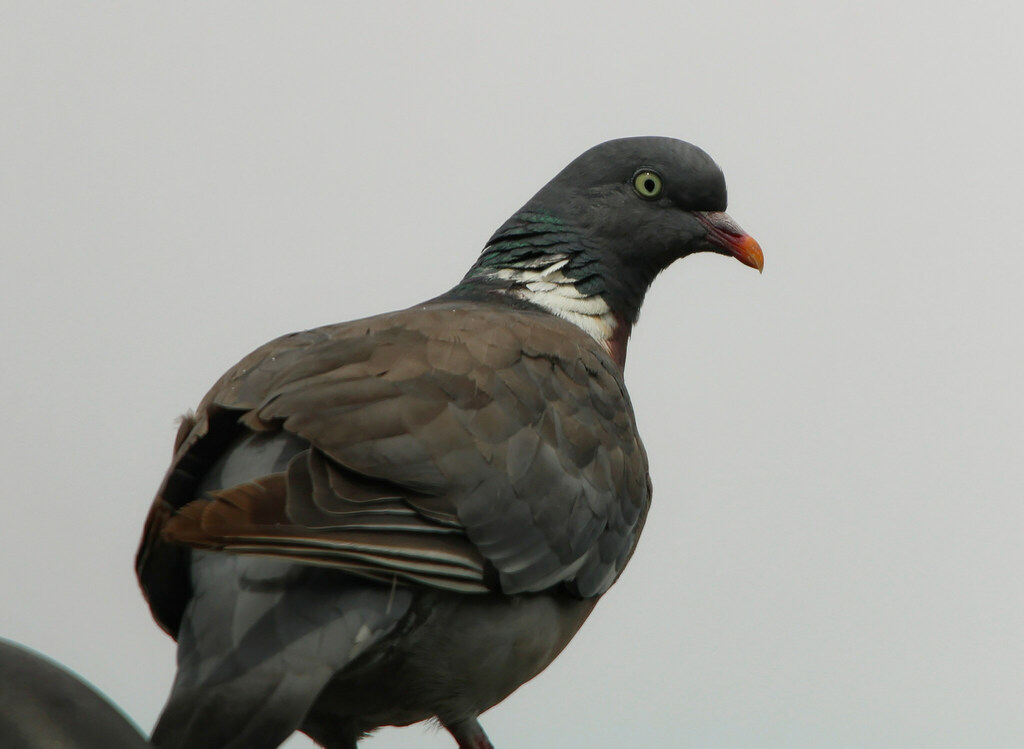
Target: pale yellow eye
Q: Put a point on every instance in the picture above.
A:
(647, 184)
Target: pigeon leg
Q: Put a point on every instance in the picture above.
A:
(470, 734)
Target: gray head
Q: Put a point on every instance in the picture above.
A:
(589, 244)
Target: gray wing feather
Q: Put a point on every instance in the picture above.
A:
(261, 637)
(259, 641)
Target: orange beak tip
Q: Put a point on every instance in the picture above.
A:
(727, 234)
(748, 252)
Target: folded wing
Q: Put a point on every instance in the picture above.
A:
(455, 445)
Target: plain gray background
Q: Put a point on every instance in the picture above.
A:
(834, 554)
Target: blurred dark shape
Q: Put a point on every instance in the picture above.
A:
(45, 706)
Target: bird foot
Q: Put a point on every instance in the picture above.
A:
(470, 734)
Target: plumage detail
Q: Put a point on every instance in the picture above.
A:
(549, 288)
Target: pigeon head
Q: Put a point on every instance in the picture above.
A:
(589, 244)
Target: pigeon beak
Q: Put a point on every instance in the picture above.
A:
(727, 234)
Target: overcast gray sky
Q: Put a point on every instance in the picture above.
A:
(834, 557)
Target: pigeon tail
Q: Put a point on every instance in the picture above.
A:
(259, 641)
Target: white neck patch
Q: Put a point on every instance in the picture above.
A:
(549, 288)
